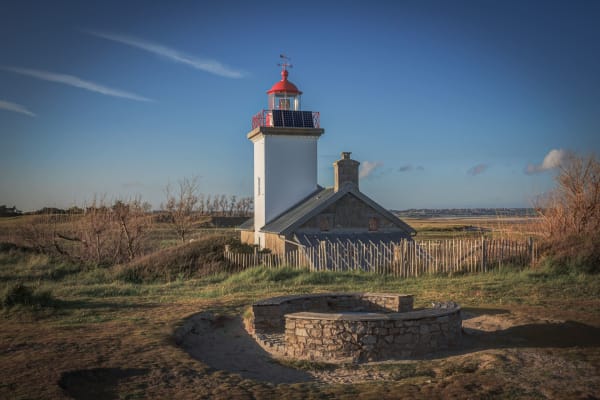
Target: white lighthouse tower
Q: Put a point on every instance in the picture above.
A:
(285, 153)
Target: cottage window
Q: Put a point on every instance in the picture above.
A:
(373, 224)
(324, 223)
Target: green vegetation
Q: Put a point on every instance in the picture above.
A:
(21, 295)
(109, 328)
(198, 258)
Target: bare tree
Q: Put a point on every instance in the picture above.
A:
(134, 222)
(215, 204)
(208, 205)
(181, 205)
(573, 207)
(95, 230)
(232, 204)
(201, 205)
(38, 233)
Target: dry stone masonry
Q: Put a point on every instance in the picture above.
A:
(354, 327)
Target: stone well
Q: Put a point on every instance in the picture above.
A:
(354, 327)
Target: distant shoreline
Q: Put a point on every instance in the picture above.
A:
(464, 212)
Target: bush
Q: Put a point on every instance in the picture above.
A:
(20, 294)
(570, 216)
(575, 254)
(199, 258)
(7, 247)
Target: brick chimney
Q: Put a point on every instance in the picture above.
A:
(345, 171)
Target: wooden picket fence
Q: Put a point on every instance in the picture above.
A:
(406, 258)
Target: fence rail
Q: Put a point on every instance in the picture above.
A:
(406, 258)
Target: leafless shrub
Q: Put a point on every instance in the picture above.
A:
(102, 235)
(570, 214)
(573, 207)
(182, 205)
(133, 221)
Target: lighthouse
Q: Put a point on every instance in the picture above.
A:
(285, 153)
(291, 211)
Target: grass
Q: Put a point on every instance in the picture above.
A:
(446, 228)
(100, 333)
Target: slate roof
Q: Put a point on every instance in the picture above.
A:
(297, 212)
(297, 215)
(248, 225)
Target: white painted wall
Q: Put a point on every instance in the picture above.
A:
(259, 197)
(287, 169)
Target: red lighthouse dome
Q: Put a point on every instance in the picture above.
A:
(284, 86)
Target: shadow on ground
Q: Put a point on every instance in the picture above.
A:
(540, 335)
(96, 383)
(222, 343)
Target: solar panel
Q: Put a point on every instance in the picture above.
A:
(288, 118)
(307, 117)
(277, 118)
(293, 119)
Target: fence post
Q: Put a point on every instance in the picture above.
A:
(483, 260)
(531, 251)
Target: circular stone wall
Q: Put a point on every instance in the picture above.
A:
(360, 337)
(354, 327)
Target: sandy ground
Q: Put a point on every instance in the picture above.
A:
(224, 344)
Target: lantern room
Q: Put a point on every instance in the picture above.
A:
(284, 95)
(284, 108)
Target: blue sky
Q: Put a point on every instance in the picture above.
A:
(445, 103)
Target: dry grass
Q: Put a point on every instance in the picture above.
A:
(107, 338)
(198, 258)
(445, 228)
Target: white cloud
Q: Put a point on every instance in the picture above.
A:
(76, 82)
(367, 168)
(207, 65)
(553, 159)
(477, 169)
(7, 105)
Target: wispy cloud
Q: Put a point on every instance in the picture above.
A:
(7, 105)
(553, 159)
(76, 82)
(477, 169)
(203, 64)
(410, 167)
(367, 168)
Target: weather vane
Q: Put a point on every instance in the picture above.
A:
(286, 62)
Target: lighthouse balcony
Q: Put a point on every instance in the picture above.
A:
(286, 119)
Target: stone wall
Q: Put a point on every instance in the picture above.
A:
(349, 212)
(371, 337)
(269, 314)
